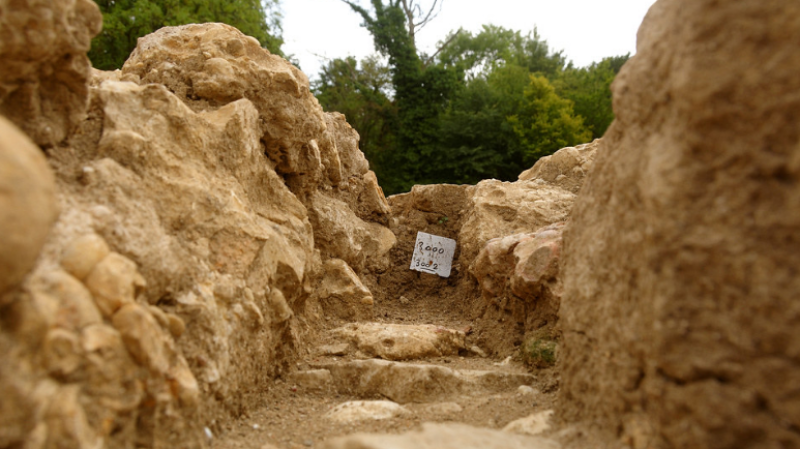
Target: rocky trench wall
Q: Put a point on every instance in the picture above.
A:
(680, 310)
(505, 273)
(195, 217)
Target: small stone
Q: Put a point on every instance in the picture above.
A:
(142, 336)
(188, 390)
(339, 349)
(76, 307)
(62, 352)
(354, 411)
(112, 282)
(531, 425)
(280, 308)
(159, 315)
(477, 351)
(83, 254)
(525, 390)
(404, 300)
(176, 325)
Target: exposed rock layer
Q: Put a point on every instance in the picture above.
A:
(43, 81)
(680, 312)
(182, 269)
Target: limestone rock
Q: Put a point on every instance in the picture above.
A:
(83, 254)
(500, 209)
(519, 275)
(62, 352)
(25, 181)
(405, 382)
(534, 424)
(66, 421)
(342, 293)
(442, 436)
(566, 168)
(143, 337)
(113, 282)
(315, 379)
(342, 235)
(353, 411)
(43, 81)
(217, 65)
(400, 341)
(680, 311)
(74, 306)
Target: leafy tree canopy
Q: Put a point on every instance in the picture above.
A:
(124, 21)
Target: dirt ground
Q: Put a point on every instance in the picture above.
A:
(294, 417)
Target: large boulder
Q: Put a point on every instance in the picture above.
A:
(211, 65)
(27, 202)
(680, 312)
(45, 70)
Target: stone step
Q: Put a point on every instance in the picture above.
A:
(394, 341)
(407, 382)
(443, 436)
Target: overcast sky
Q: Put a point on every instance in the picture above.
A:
(587, 30)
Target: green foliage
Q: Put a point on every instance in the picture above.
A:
(539, 352)
(589, 88)
(124, 21)
(486, 105)
(363, 94)
(546, 122)
(477, 55)
(421, 94)
(478, 130)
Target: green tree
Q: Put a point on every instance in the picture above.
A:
(590, 90)
(124, 21)
(421, 90)
(546, 122)
(476, 55)
(478, 138)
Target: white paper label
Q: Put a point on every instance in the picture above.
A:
(433, 254)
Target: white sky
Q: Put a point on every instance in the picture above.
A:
(587, 30)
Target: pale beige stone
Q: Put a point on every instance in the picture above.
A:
(143, 337)
(400, 341)
(534, 424)
(566, 168)
(27, 202)
(442, 436)
(75, 307)
(176, 325)
(354, 411)
(406, 382)
(45, 71)
(186, 384)
(342, 293)
(66, 421)
(83, 254)
(112, 282)
(62, 352)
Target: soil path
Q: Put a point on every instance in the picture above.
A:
(457, 386)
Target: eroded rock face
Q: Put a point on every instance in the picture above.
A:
(43, 78)
(27, 204)
(184, 246)
(680, 310)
